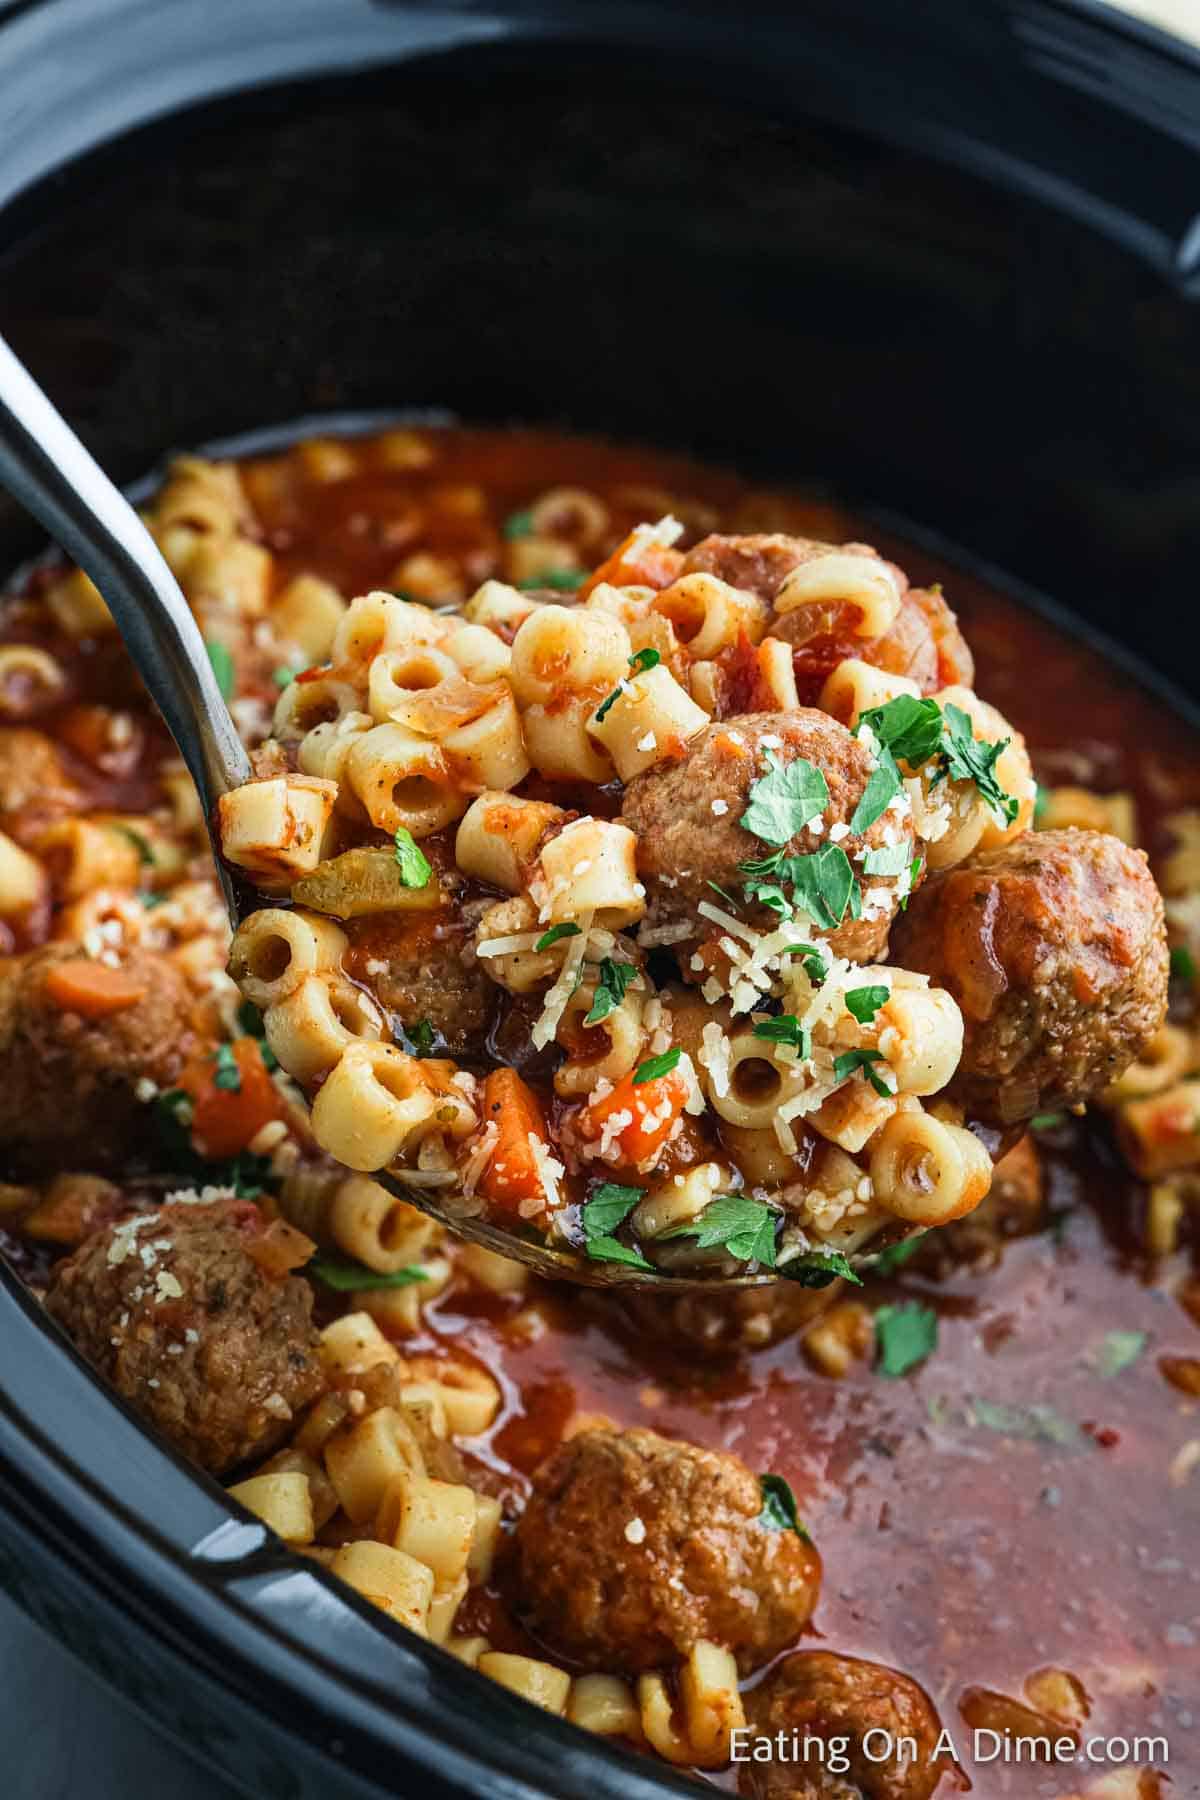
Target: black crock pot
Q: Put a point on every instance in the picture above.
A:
(940, 260)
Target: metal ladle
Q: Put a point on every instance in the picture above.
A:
(46, 468)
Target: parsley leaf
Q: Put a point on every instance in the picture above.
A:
(227, 1074)
(415, 868)
(640, 661)
(145, 853)
(607, 1207)
(420, 1036)
(1041, 804)
(864, 1002)
(1047, 1121)
(728, 898)
(563, 581)
(890, 859)
(615, 977)
(910, 730)
(914, 870)
(518, 525)
(968, 759)
(817, 1268)
(784, 800)
(883, 785)
(222, 668)
(736, 1223)
(850, 1060)
(896, 1255)
(610, 1249)
(779, 1507)
(824, 884)
(655, 1067)
(816, 967)
(345, 1276)
(906, 1336)
(1183, 963)
(786, 1029)
(569, 929)
(250, 1020)
(283, 677)
(1119, 1350)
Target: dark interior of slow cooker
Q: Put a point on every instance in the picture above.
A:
(581, 243)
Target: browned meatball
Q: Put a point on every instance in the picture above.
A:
(924, 644)
(425, 968)
(170, 1307)
(68, 1083)
(822, 1697)
(686, 816)
(633, 1547)
(1055, 949)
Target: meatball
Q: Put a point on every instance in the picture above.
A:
(1055, 950)
(68, 1083)
(425, 968)
(686, 816)
(924, 644)
(820, 1697)
(633, 1547)
(170, 1307)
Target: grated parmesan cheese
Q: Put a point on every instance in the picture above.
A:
(547, 1024)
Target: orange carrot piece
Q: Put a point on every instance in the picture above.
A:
(655, 1106)
(512, 1172)
(226, 1119)
(650, 565)
(279, 1248)
(92, 989)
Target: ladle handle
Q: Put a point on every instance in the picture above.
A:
(46, 468)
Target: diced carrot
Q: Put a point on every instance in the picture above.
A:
(226, 1119)
(634, 565)
(279, 1248)
(654, 1106)
(92, 989)
(512, 1171)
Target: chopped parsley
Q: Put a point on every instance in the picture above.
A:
(896, 1255)
(914, 731)
(728, 898)
(615, 977)
(891, 859)
(1183, 963)
(1047, 1121)
(906, 1335)
(910, 730)
(639, 662)
(914, 871)
(222, 667)
(815, 965)
(743, 1227)
(656, 1066)
(786, 1029)
(609, 1206)
(817, 1268)
(145, 853)
(784, 800)
(245, 1173)
(414, 865)
(779, 1507)
(345, 1276)
(850, 1060)
(227, 1075)
(250, 1020)
(864, 1002)
(283, 677)
(518, 525)
(971, 759)
(420, 1036)
(1041, 804)
(883, 784)
(1037, 1421)
(823, 884)
(566, 930)
(1119, 1350)
(563, 581)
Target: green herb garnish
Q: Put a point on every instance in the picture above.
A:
(1038, 1421)
(518, 525)
(609, 1206)
(896, 1255)
(563, 581)
(415, 867)
(283, 677)
(786, 1029)
(735, 1223)
(823, 884)
(640, 661)
(656, 1066)
(816, 967)
(851, 1060)
(1183, 963)
(891, 859)
(346, 1276)
(1047, 1121)
(864, 1002)
(222, 668)
(906, 1336)
(971, 759)
(227, 1074)
(779, 1507)
(1119, 1350)
(817, 1268)
(140, 844)
(615, 977)
(784, 800)
(567, 930)
(420, 1036)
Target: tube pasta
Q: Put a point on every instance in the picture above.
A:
(501, 608)
(29, 676)
(307, 613)
(590, 866)
(1159, 1134)
(228, 575)
(364, 1461)
(777, 674)
(498, 838)
(276, 828)
(203, 496)
(81, 855)
(77, 607)
(852, 1115)
(709, 615)
(556, 737)
(282, 1501)
(377, 622)
(658, 1720)
(377, 1103)
(620, 1037)
(651, 718)
(712, 1704)
(478, 653)
(390, 1579)
(604, 1704)
(353, 1344)
(273, 950)
(1062, 807)
(539, 1682)
(567, 650)
(928, 1172)
(919, 1030)
(303, 705)
(855, 687)
(309, 1029)
(488, 753)
(395, 676)
(572, 512)
(398, 1310)
(433, 1521)
(443, 1609)
(756, 1087)
(1165, 1060)
(376, 1227)
(859, 577)
(402, 781)
(506, 941)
